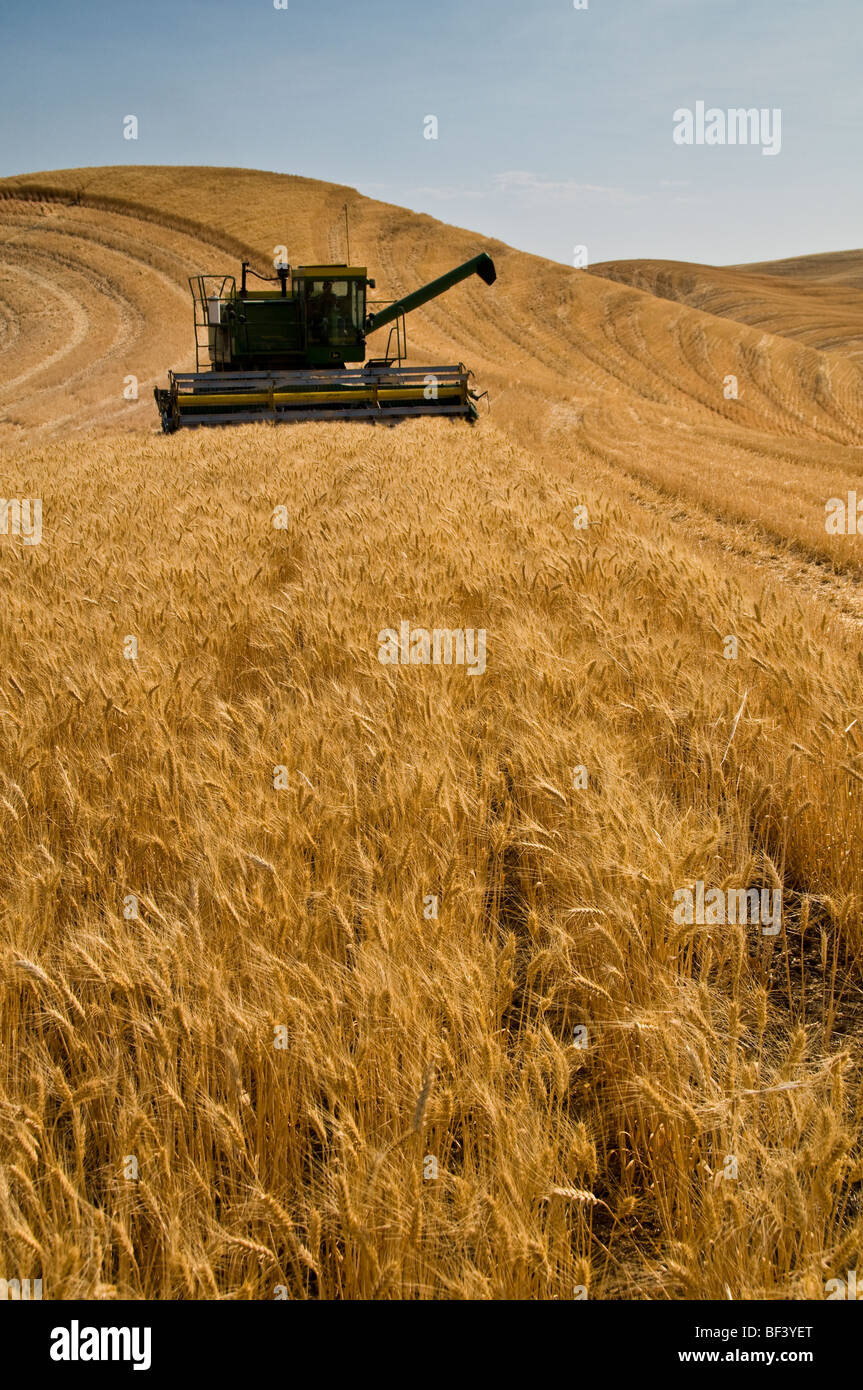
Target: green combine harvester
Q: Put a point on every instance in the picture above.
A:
(286, 354)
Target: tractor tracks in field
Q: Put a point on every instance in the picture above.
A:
(107, 284)
(77, 321)
(773, 558)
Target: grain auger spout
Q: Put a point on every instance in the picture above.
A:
(294, 353)
(481, 265)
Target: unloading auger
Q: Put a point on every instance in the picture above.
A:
(287, 353)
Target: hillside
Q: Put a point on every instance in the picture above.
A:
(823, 310)
(373, 969)
(829, 268)
(93, 296)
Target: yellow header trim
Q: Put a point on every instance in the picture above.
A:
(236, 398)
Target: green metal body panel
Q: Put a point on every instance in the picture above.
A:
(266, 333)
(320, 323)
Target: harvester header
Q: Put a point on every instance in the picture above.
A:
(291, 353)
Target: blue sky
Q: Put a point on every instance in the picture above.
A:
(555, 125)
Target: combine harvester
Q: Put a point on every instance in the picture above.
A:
(283, 354)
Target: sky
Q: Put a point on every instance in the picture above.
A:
(555, 125)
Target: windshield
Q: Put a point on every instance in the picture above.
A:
(334, 310)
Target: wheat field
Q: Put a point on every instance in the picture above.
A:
(327, 978)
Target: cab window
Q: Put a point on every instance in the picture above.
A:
(334, 310)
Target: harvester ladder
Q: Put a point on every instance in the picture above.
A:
(399, 327)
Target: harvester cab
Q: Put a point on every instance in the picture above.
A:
(291, 353)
